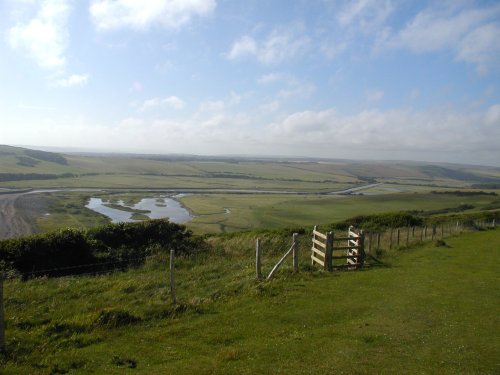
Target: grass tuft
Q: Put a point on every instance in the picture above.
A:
(115, 318)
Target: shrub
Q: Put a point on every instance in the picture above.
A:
(380, 221)
(75, 251)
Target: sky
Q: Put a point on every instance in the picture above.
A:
(361, 79)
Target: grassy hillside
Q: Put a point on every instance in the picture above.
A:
(433, 310)
(20, 167)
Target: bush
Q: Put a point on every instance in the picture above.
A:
(76, 251)
(62, 249)
(380, 221)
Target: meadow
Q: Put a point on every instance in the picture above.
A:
(219, 213)
(428, 309)
(228, 213)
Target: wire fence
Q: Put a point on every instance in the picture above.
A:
(394, 238)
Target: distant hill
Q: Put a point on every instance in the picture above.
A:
(47, 169)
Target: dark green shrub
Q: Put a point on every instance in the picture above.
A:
(113, 246)
(380, 221)
(62, 249)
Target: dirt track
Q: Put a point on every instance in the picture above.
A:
(18, 213)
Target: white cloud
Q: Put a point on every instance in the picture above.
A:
(492, 116)
(396, 132)
(73, 80)
(365, 15)
(379, 134)
(242, 47)
(44, 37)
(481, 47)
(271, 78)
(472, 34)
(280, 45)
(171, 101)
(141, 15)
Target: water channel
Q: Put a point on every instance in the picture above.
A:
(160, 207)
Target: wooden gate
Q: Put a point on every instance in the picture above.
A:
(328, 251)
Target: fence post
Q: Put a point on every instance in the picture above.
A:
(329, 251)
(295, 253)
(425, 232)
(378, 243)
(397, 242)
(258, 271)
(407, 236)
(390, 239)
(493, 224)
(433, 231)
(172, 277)
(442, 230)
(421, 234)
(362, 247)
(370, 237)
(2, 327)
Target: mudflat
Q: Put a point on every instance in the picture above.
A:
(18, 213)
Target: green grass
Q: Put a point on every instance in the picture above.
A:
(277, 211)
(435, 310)
(67, 209)
(215, 213)
(128, 171)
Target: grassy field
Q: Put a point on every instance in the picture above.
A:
(230, 212)
(433, 310)
(216, 213)
(67, 209)
(142, 171)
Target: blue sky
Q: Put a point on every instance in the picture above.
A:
(362, 79)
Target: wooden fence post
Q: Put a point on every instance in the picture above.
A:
(329, 251)
(421, 234)
(433, 231)
(258, 270)
(295, 253)
(442, 230)
(172, 277)
(378, 243)
(362, 247)
(397, 242)
(493, 224)
(370, 237)
(425, 233)
(2, 327)
(390, 239)
(407, 236)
